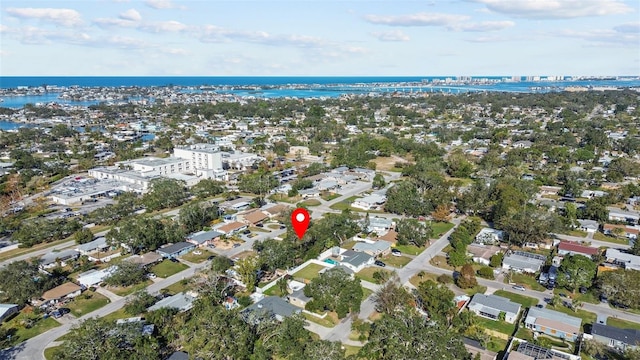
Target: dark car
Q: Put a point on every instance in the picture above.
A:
(236, 245)
(211, 257)
(380, 263)
(173, 260)
(583, 290)
(56, 314)
(396, 252)
(64, 311)
(247, 232)
(260, 225)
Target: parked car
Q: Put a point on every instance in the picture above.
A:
(211, 257)
(380, 263)
(64, 310)
(583, 290)
(197, 252)
(151, 276)
(519, 287)
(174, 260)
(260, 225)
(56, 314)
(247, 232)
(396, 252)
(236, 245)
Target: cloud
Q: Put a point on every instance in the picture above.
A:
(110, 22)
(125, 42)
(131, 15)
(174, 51)
(483, 26)
(420, 19)
(628, 27)
(164, 26)
(395, 35)
(63, 17)
(604, 37)
(162, 4)
(556, 9)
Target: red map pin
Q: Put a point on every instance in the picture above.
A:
(300, 221)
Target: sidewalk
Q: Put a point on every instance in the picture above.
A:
(111, 296)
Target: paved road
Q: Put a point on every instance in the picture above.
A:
(593, 242)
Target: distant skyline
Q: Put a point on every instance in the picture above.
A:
(319, 38)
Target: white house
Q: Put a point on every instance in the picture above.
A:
(489, 236)
(371, 202)
(355, 260)
(491, 306)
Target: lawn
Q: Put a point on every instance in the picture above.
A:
(191, 257)
(527, 281)
(366, 274)
(416, 279)
(167, 268)
(410, 249)
(586, 316)
(366, 293)
(439, 228)
(478, 289)
(525, 301)
(177, 287)
(499, 326)
(396, 261)
(525, 334)
(116, 315)
(330, 320)
(309, 202)
(124, 291)
(19, 332)
(309, 272)
(441, 262)
(51, 353)
(88, 302)
(329, 196)
(577, 233)
(622, 324)
(351, 350)
(496, 345)
(344, 204)
(602, 237)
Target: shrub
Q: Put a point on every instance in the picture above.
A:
(445, 279)
(486, 272)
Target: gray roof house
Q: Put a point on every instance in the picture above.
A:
(553, 323)
(98, 244)
(375, 248)
(379, 225)
(298, 298)
(7, 310)
(177, 249)
(355, 260)
(626, 260)
(620, 339)
(181, 301)
(51, 259)
(203, 237)
(590, 226)
(490, 306)
(521, 261)
(270, 306)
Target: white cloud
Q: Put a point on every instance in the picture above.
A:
(162, 4)
(556, 9)
(483, 26)
(131, 15)
(125, 42)
(111, 22)
(174, 51)
(632, 27)
(395, 35)
(604, 37)
(164, 26)
(420, 19)
(64, 17)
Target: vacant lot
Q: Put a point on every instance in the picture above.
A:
(194, 258)
(410, 249)
(526, 281)
(17, 326)
(439, 228)
(525, 301)
(309, 202)
(499, 326)
(602, 237)
(366, 274)
(344, 204)
(309, 272)
(124, 291)
(396, 261)
(167, 268)
(88, 302)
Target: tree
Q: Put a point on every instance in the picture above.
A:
(635, 248)
(436, 300)
(206, 188)
(259, 183)
(595, 209)
(139, 302)
(457, 258)
(576, 271)
(441, 213)
(391, 296)
(165, 193)
(529, 225)
(194, 217)
(96, 339)
(593, 348)
(496, 260)
(570, 215)
(21, 282)
(621, 287)
(336, 291)
(378, 181)
(467, 277)
(413, 231)
(220, 264)
(405, 335)
(83, 236)
(275, 254)
(126, 274)
(247, 269)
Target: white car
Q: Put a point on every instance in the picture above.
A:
(519, 287)
(197, 252)
(151, 276)
(396, 252)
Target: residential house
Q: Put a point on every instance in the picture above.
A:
(370, 202)
(67, 290)
(93, 277)
(309, 193)
(373, 248)
(175, 250)
(491, 306)
(182, 301)
(203, 238)
(231, 303)
(379, 225)
(326, 185)
(269, 306)
(475, 347)
(631, 232)
(590, 226)
(60, 258)
(622, 259)
(590, 194)
(489, 236)
(521, 261)
(616, 214)
(482, 253)
(97, 245)
(619, 339)
(549, 190)
(6, 310)
(252, 217)
(390, 236)
(355, 260)
(298, 298)
(275, 210)
(531, 351)
(573, 248)
(232, 228)
(145, 260)
(553, 323)
(179, 355)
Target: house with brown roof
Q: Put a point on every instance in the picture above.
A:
(572, 248)
(67, 290)
(275, 210)
(252, 217)
(553, 323)
(631, 232)
(482, 253)
(145, 260)
(231, 228)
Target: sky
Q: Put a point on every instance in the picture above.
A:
(319, 37)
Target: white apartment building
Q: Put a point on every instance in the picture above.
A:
(205, 159)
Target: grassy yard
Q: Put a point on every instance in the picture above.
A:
(51, 353)
(410, 249)
(329, 196)
(309, 272)
(478, 289)
(309, 202)
(499, 326)
(348, 244)
(622, 324)
(416, 279)
(116, 315)
(259, 229)
(87, 302)
(577, 233)
(525, 301)
(496, 345)
(344, 204)
(439, 228)
(124, 291)
(525, 334)
(526, 281)
(167, 268)
(366, 293)
(367, 273)
(441, 262)
(351, 350)
(602, 237)
(330, 320)
(17, 326)
(586, 316)
(396, 261)
(191, 257)
(177, 287)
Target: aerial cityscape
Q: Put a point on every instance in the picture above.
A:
(341, 180)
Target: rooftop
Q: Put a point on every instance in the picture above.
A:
(175, 248)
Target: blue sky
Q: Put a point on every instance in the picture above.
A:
(320, 37)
